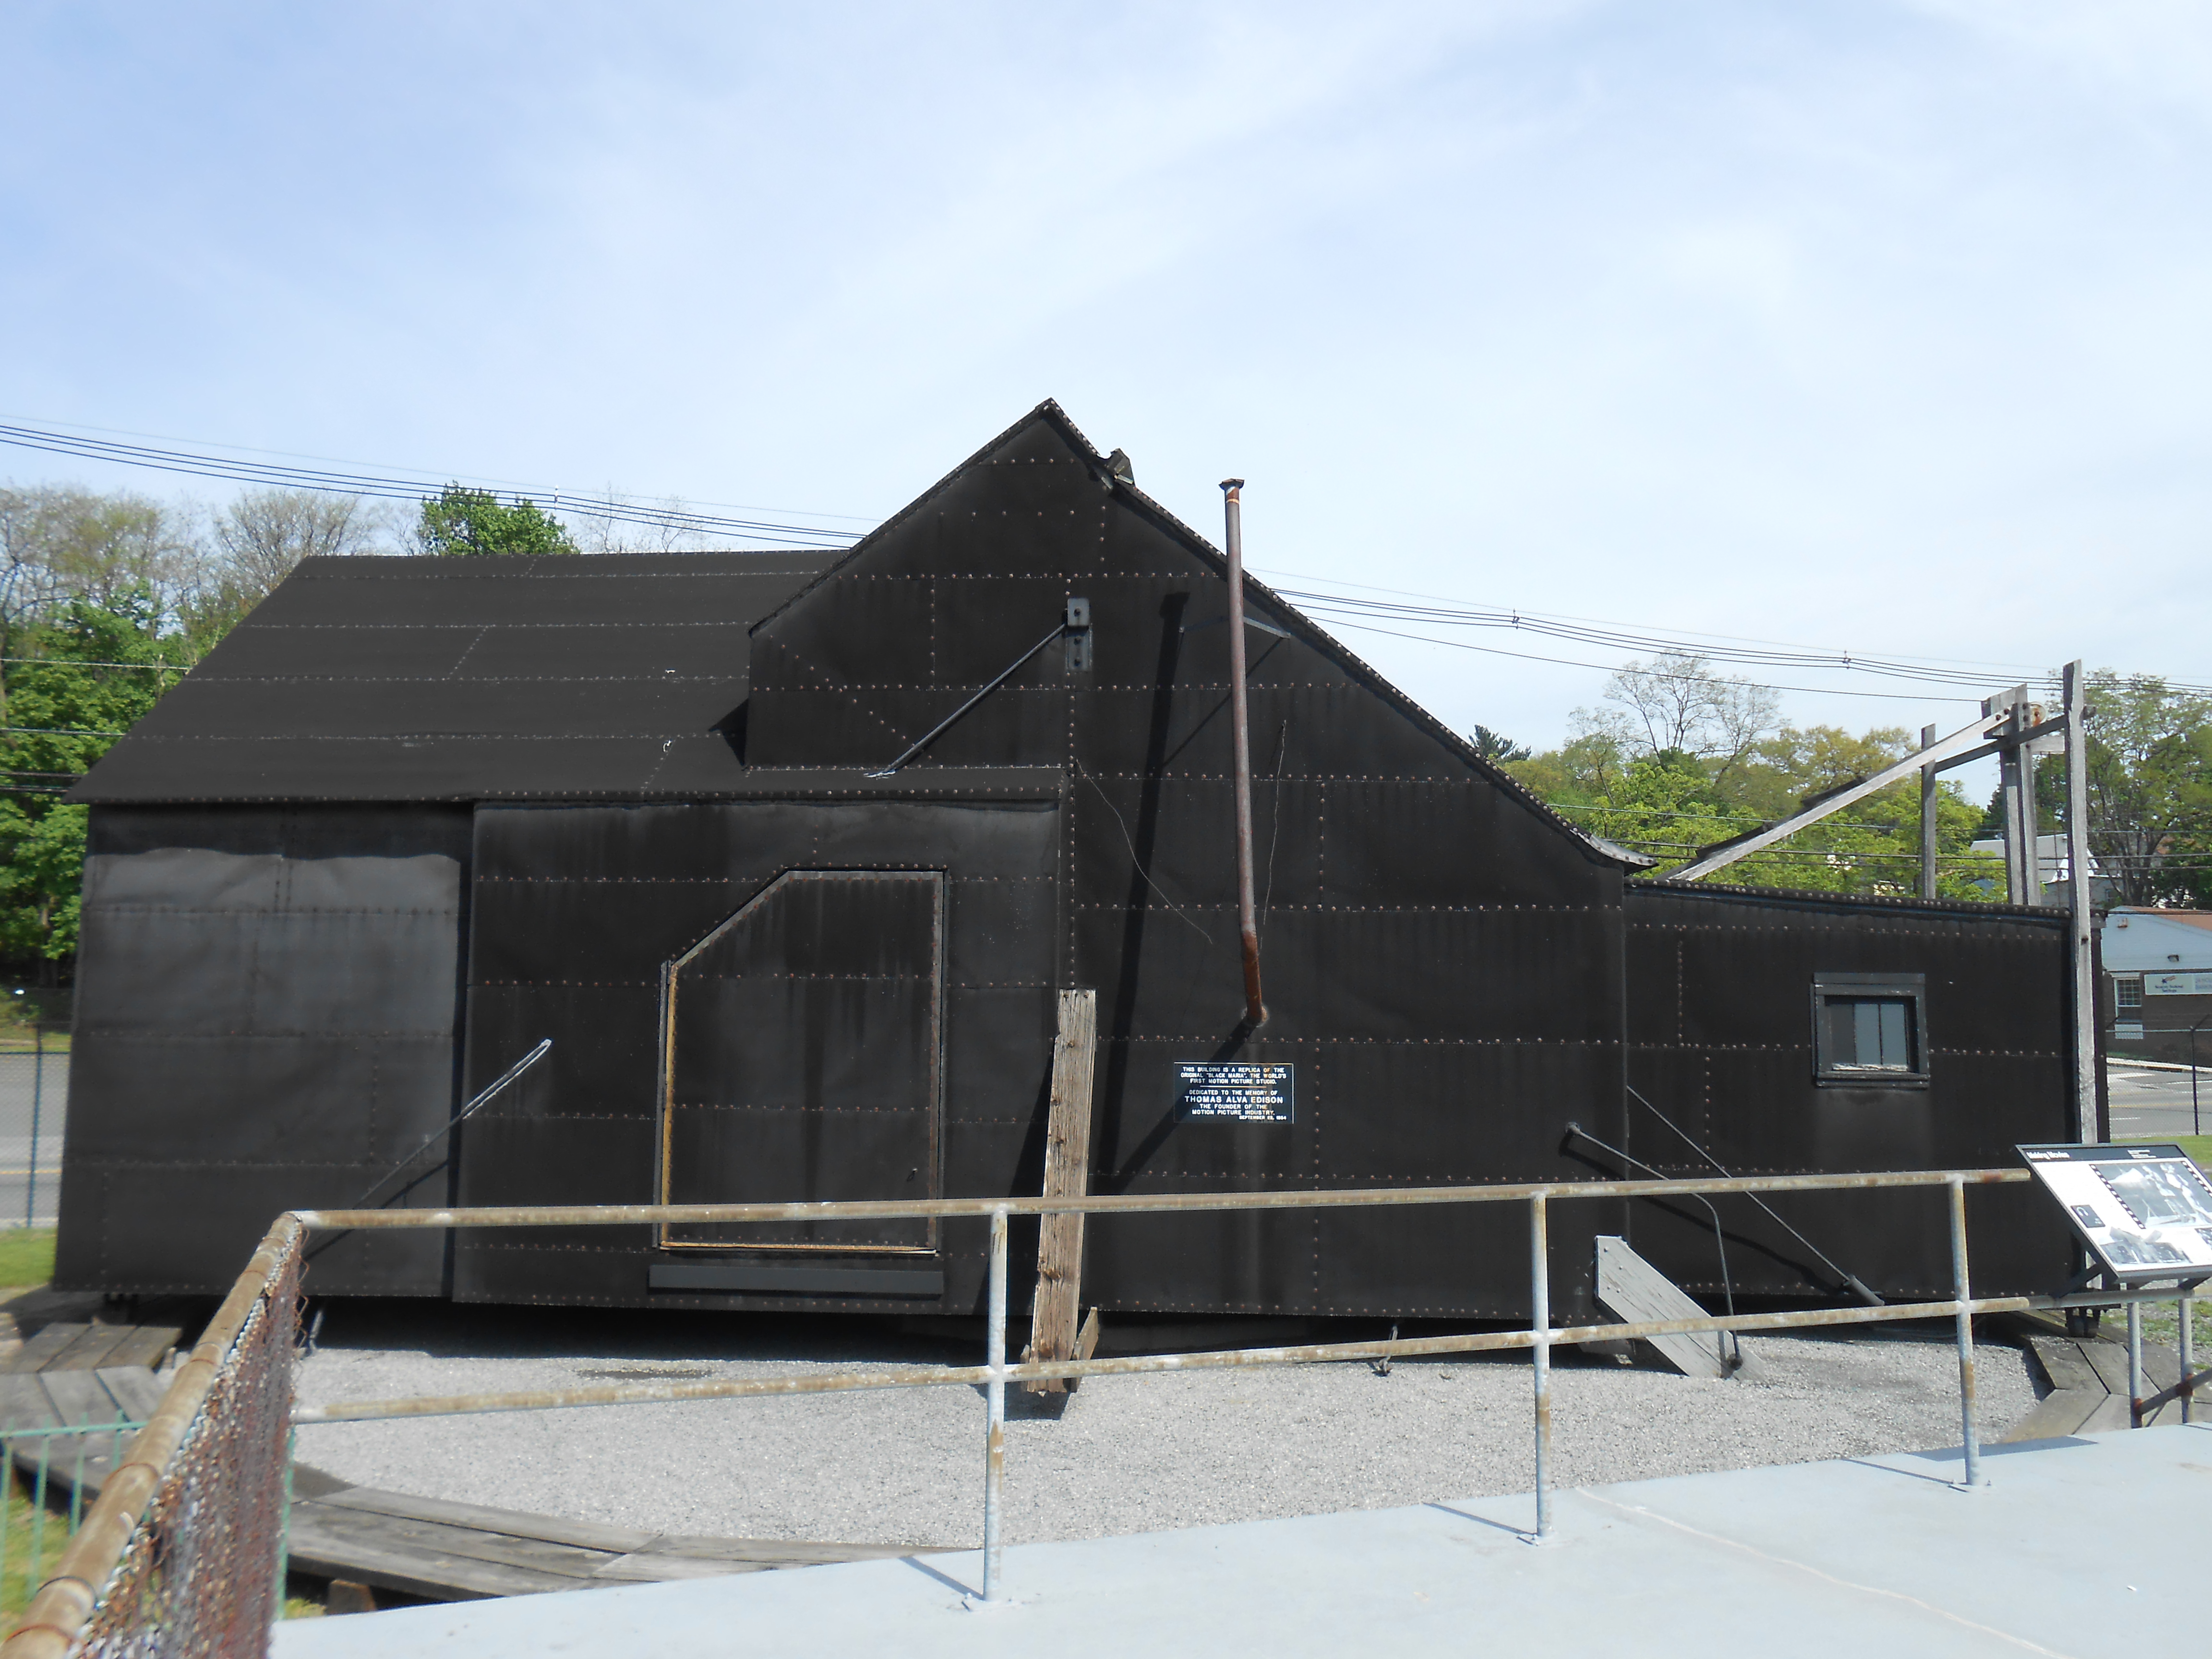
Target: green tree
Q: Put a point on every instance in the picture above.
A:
(1496, 746)
(2150, 753)
(1686, 759)
(474, 521)
(92, 669)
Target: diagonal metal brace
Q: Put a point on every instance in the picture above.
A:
(942, 726)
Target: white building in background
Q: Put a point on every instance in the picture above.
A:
(2054, 868)
(2158, 969)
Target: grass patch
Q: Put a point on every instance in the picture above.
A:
(32, 1543)
(2161, 1323)
(2199, 1147)
(26, 1255)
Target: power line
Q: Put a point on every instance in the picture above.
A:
(1922, 698)
(1437, 611)
(431, 476)
(269, 474)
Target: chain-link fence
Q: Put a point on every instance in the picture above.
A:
(35, 1072)
(184, 1552)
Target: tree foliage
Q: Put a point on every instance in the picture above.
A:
(1685, 758)
(96, 666)
(474, 521)
(2150, 753)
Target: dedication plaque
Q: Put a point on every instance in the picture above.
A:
(2144, 1209)
(1235, 1092)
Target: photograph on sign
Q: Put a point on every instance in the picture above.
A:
(1235, 1091)
(2144, 1211)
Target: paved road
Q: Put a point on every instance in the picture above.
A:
(2147, 1102)
(18, 1075)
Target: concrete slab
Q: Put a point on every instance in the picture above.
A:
(2082, 1547)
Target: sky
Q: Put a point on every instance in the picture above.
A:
(1884, 327)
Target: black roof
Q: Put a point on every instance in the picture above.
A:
(468, 679)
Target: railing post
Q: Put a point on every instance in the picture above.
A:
(2135, 1365)
(2187, 1360)
(1962, 1293)
(994, 1450)
(1539, 1321)
(37, 1086)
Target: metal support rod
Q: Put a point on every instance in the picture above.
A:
(952, 719)
(1240, 727)
(1539, 1352)
(2196, 1112)
(1962, 1294)
(38, 1081)
(1944, 754)
(995, 1448)
(1930, 794)
(2135, 1365)
(2188, 1341)
(2080, 903)
(543, 1047)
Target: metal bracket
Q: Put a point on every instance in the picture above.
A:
(1077, 626)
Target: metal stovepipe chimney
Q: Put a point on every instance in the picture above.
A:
(1240, 724)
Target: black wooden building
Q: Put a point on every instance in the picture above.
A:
(414, 816)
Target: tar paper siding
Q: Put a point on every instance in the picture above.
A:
(266, 1018)
(1442, 961)
(1722, 1040)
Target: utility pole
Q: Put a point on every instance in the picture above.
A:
(1929, 797)
(2080, 904)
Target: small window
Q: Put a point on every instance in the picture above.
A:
(1868, 1030)
(2127, 990)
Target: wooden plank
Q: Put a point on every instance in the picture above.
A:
(781, 1551)
(135, 1390)
(2110, 1361)
(34, 1353)
(78, 1396)
(2161, 1368)
(91, 1349)
(651, 1569)
(339, 1530)
(511, 1523)
(1057, 1303)
(144, 1345)
(23, 1403)
(2059, 1414)
(2113, 1414)
(322, 1546)
(2063, 1367)
(1635, 1292)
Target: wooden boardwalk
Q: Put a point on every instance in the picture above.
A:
(449, 1552)
(2088, 1381)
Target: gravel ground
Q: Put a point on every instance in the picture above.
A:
(1127, 1455)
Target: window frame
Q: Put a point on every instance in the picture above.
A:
(2122, 982)
(1911, 989)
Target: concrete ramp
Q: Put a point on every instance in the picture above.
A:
(2088, 1548)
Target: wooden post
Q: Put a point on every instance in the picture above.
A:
(1053, 1333)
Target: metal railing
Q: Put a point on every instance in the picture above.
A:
(1540, 1338)
(79, 1591)
(183, 1551)
(42, 1496)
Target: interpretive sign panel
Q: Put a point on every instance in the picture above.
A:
(2145, 1210)
(1235, 1092)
